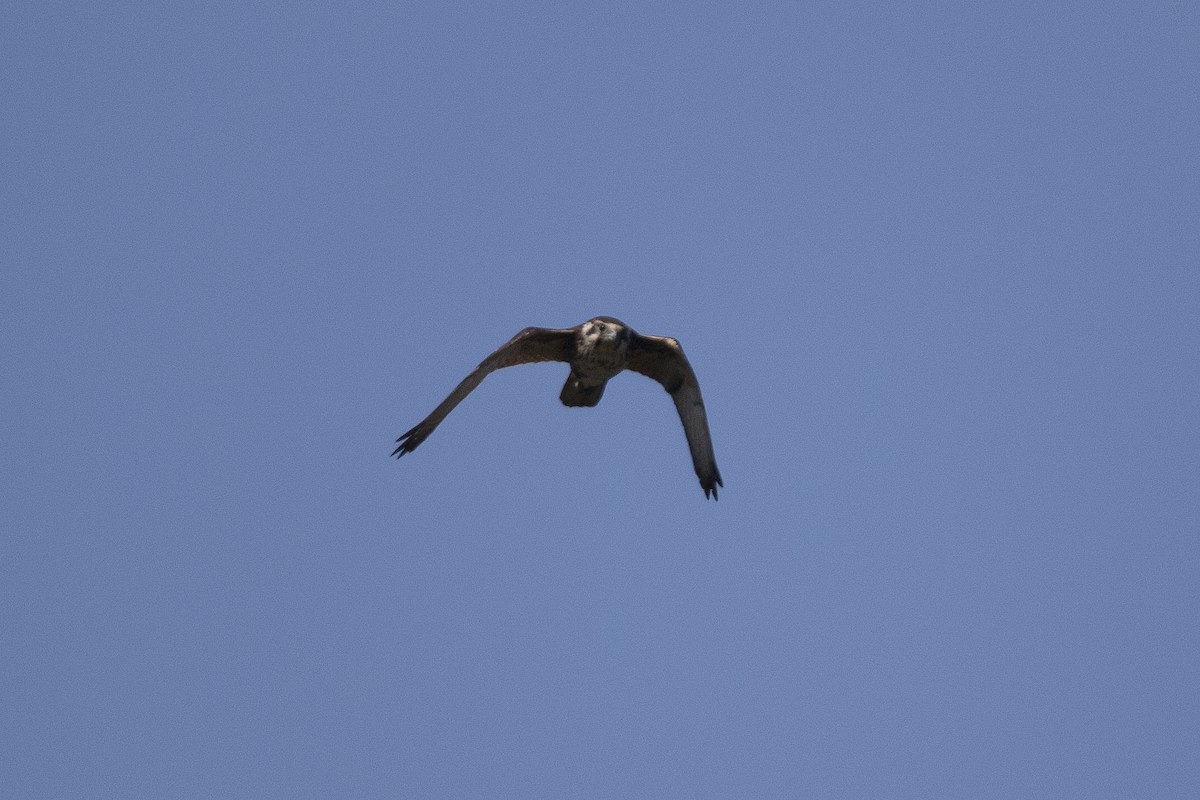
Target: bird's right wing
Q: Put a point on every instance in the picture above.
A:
(527, 347)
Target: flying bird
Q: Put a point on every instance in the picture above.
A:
(596, 351)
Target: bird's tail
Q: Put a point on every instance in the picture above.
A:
(575, 395)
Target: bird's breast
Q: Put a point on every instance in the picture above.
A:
(597, 360)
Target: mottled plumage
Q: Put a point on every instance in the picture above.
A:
(596, 351)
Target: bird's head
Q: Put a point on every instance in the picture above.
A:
(608, 330)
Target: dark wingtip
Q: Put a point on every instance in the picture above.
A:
(406, 443)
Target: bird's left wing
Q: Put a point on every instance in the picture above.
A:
(527, 347)
(662, 359)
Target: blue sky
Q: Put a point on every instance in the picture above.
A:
(935, 265)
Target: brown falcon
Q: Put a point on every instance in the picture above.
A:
(596, 351)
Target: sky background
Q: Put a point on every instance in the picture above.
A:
(935, 265)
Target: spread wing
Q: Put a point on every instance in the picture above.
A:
(662, 359)
(527, 347)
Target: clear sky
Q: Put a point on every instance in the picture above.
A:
(936, 265)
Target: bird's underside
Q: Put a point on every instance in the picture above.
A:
(596, 351)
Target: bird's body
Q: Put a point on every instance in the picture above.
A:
(596, 351)
(601, 352)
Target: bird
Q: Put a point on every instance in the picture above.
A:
(596, 351)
